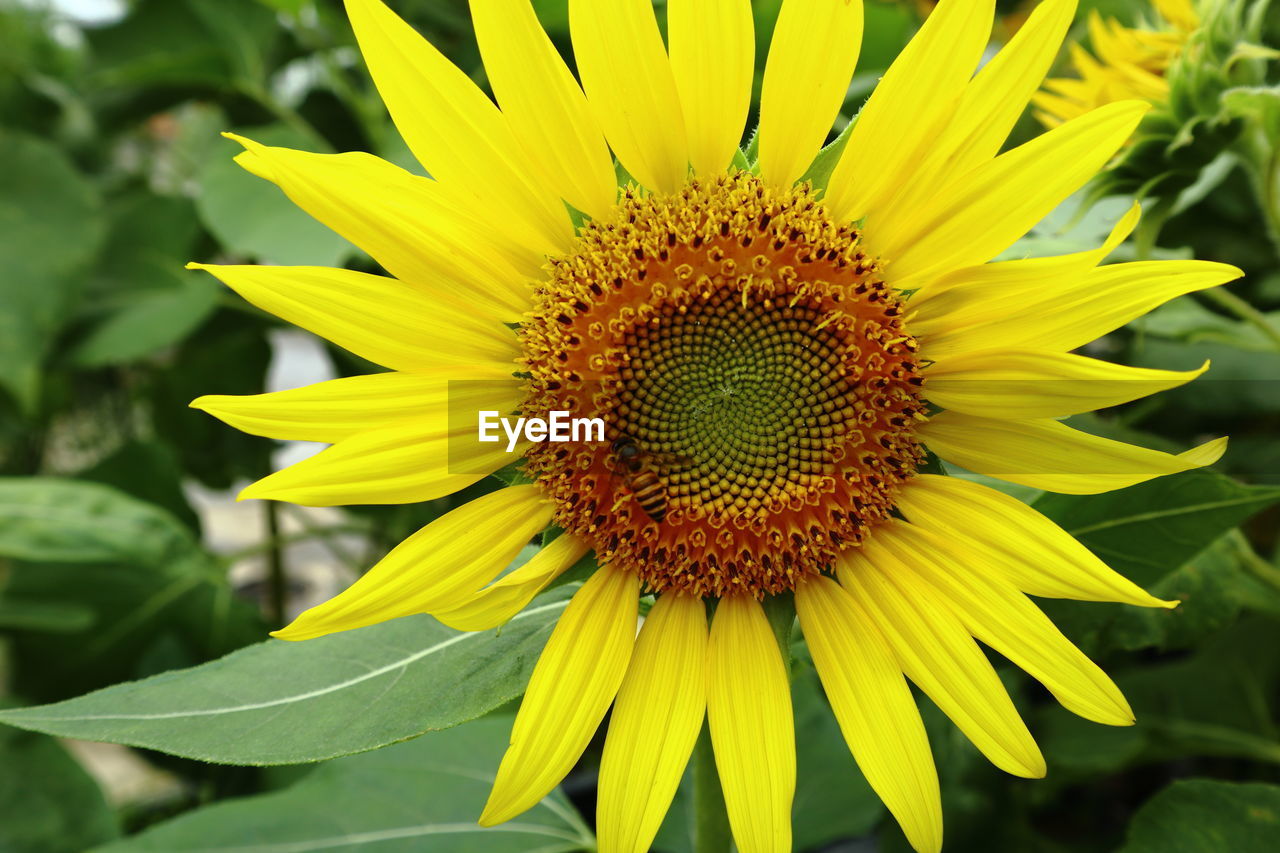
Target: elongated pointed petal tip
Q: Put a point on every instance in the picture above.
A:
(251, 492)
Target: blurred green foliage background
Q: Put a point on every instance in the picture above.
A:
(122, 555)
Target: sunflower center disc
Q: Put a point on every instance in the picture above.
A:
(759, 390)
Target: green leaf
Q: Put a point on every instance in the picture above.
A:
(50, 229)
(148, 227)
(1214, 587)
(1075, 745)
(54, 616)
(227, 355)
(1148, 530)
(1204, 816)
(422, 795)
(147, 470)
(824, 164)
(291, 7)
(51, 520)
(48, 803)
(1216, 702)
(243, 29)
(251, 217)
(141, 299)
(138, 571)
(1148, 533)
(143, 620)
(419, 796)
(286, 703)
(204, 43)
(152, 321)
(1187, 320)
(1258, 104)
(37, 67)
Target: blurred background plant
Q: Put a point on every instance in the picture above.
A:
(123, 556)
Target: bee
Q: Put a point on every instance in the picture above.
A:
(632, 463)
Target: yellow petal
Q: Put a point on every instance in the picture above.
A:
(386, 321)
(340, 408)
(547, 111)
(627, 75)
(1050, 455)
(713, 55)
(1062, 313)
(1033, 553)
(497, 603)
(1006, 620)
(407, 462)
(989, 107)
(975, 217)
(936, 652)
(436, 567)
(1180, 13)
(453, 128)
(752, 727)
(979, 289)
(811, 60)
(576, 678)
(910, 107)
(998, 94)
(409, 224)
(1053, 110)
(874, 707)
(655, 722)
(1021, 384)
(1103, 41)
(1143, 84)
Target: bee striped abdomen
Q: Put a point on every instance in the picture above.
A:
(650, 494)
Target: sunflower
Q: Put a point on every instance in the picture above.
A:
(1130, 63)
(776, 347)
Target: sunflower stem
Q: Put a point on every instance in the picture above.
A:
(1228, 301)
(710, 819)
(287, 115)
(277, 577)
(1254, 564)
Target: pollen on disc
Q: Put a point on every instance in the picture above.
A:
(748, 350)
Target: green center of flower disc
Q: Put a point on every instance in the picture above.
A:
(741, 407)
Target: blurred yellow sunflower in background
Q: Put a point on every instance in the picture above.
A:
(1126, 63)
(778, 356)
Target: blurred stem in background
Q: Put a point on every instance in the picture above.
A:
(1238, 307)
(277, 574)
(293, 119)
(1251, 561)
(365, 105)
